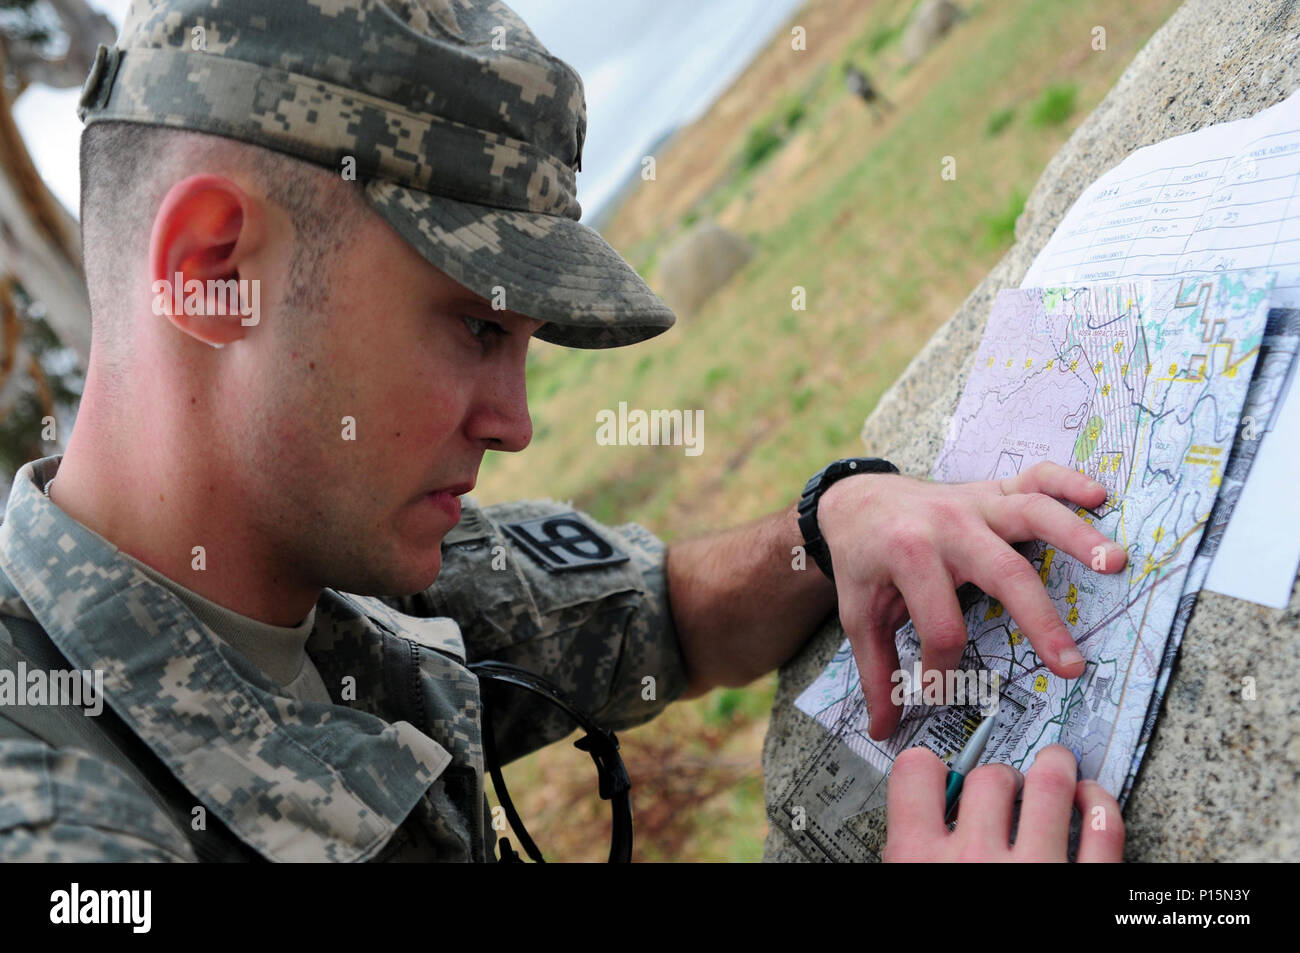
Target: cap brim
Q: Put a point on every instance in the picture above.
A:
(551, 268)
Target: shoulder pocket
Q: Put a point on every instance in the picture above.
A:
(517, 571)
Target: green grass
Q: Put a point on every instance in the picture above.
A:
(792, 112)
(717, 375)
(999, 121)
(768, 134)
(1054, 106)
(727, 704)
(883, 37)
(1000, 227)
(763, 140)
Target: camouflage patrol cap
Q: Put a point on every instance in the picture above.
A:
(465, 132)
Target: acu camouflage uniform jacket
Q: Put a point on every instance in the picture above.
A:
(192, 729)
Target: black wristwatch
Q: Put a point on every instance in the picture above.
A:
(820, 482)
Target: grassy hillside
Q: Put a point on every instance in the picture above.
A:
(857, 213)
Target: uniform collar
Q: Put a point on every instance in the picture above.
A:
(297, 781)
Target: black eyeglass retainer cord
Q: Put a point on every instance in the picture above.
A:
(601, 743)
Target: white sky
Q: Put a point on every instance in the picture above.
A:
(647, 65)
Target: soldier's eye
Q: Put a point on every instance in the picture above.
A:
(482, 330)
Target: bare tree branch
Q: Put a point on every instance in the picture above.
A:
(85, 30)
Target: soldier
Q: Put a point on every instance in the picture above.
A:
(256, 533)
(860, 85)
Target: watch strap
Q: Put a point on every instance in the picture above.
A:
(816, 487)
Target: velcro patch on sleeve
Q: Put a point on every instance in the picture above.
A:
(564, 541)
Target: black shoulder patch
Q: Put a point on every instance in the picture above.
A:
(564, 541)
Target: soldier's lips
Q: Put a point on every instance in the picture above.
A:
(448, 502)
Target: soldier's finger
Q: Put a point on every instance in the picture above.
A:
(1044, 829)
(1058, 481)
(915, 795)
(865, 623)
(1102, 839)
(1037, 516)
(931, 598)
(1007, 576)
(988, 800)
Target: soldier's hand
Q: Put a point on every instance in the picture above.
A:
(902, 546)
(917, 832)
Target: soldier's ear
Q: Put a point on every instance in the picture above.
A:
(207, 229)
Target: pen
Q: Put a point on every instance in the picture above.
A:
(967, 759)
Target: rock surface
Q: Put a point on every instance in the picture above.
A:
(928, 25)
(1220, 777)
(698, 264)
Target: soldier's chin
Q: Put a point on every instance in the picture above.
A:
(408, 580)
(414, 582)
